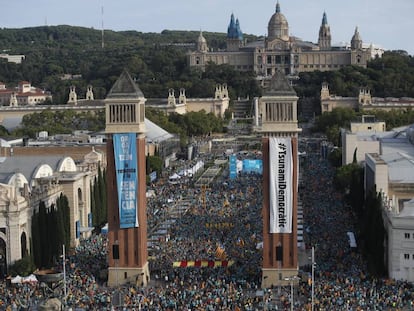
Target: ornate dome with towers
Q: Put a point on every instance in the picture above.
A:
(280, 51)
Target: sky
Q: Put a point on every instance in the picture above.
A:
(385, 23)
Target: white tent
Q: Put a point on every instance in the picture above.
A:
(17, 279)
(104, 229)
(175, 176)
(173, 179)
(29, 279)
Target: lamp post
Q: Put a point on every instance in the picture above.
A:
(291, 279)
(64, 274)
(264, 294)
(313, 278)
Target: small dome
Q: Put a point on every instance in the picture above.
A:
(356, 36)
(201, 38)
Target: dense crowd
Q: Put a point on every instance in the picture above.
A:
(341, 278)
(226, 216)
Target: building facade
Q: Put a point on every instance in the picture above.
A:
(27, 180)
(391, 172)
(22, 95)
(364, 101)
(363, 137)
(180, 104)
(280, 51)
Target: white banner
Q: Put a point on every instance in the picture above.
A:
(280, 184)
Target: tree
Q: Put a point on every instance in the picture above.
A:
(99, 199)
(52, 225)
(373, 232)
(155, 164)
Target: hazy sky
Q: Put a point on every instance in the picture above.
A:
(386, 23)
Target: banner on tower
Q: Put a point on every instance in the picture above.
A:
(280, 183)
(125, 153)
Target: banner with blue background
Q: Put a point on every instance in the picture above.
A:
(125, 153)
(233, 166)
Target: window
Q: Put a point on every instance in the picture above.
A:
(269, 59)
(278, 59)
(407, 235)
(406, 256)
(287, 59)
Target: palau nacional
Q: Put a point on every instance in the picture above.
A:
(281, 51)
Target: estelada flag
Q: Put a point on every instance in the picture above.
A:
(220, 252)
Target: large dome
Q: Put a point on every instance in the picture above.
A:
(278, 27)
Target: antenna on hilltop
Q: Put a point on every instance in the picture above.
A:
(102, 13)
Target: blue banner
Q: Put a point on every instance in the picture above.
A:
(125, 152)
(253, 166)
(233, 166)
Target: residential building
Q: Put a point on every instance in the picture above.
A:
(391, 172)
(23, 95)
(363, 137)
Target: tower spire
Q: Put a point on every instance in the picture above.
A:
(324, 19)
(324, 40)
(277, 7)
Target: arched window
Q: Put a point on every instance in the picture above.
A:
(23, 244)
(3, 261)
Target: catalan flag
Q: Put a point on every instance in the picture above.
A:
(220, 252)
(203, 263)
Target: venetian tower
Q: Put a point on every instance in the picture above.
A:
(276, 119)
(126, 184)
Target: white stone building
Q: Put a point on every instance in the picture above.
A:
(27, 180)
(23, 95)
(391, 171)
(363, 137)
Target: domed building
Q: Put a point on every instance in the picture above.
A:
(278, 27)
(25, 181)
(280, 51)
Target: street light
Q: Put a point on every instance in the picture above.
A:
(64, 275)
(291, 279)
(264, 295)
(313, 278)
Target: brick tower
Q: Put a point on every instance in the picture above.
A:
(276, 120)
(126, 184)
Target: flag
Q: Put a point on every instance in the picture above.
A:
(240, 242)
(220, 252)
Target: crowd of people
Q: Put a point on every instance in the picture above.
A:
(341, 278)
(223, 223)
